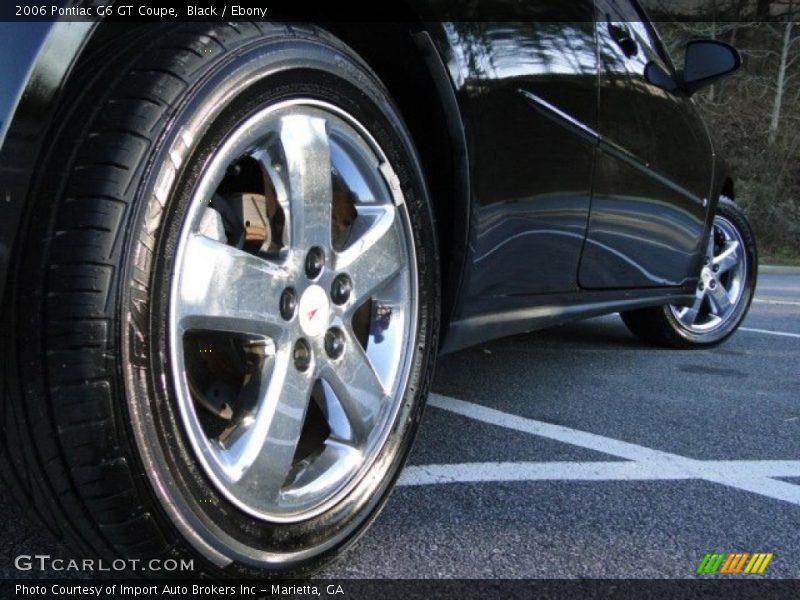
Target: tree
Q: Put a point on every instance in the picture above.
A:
(785, 65)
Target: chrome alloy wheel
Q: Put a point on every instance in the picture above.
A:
(722, 281)
(293, 310)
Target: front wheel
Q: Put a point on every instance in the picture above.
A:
(724, 291)
(228, 303)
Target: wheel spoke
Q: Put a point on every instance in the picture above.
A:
(225, 289)
(728, 258)
(690, 316)
(323, 471)
(357, 387)
(720, 301)
(710, 245)
(376, 257)
(259, 456)
(308, 161)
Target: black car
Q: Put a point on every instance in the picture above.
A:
(230, 252)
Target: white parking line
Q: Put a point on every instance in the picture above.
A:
(591, 471)
(770, 301)
(769, 332)
(642, 463)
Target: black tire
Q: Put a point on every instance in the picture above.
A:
(91, 412)
(661, 326)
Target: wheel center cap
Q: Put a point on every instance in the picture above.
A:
(314, 311)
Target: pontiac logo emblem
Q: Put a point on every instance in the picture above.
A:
(315, 311)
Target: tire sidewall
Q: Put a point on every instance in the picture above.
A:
(265, 72)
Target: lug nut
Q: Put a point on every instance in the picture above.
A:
(334, 343)
(340, 289)
(302, 355)
(715, 268)
(288, 303)
(701, 286)
(314, 262)
(712, 284)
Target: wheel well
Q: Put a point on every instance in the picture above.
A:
(407, 63)
(727, 188)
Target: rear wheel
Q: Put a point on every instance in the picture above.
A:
(723, 295)
(238, 305)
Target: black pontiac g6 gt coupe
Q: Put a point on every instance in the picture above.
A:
(230, 252)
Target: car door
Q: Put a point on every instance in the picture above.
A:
(654, 164)
(526, 90)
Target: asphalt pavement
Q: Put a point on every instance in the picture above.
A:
(579, 451)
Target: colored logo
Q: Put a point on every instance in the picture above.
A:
(734, 563)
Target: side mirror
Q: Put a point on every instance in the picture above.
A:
(707, 61)
(656, 75)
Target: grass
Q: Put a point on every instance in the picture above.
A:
(779, 260)
(772, 252)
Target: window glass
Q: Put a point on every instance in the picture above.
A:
(646, 34)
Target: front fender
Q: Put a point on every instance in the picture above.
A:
(37, 58)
